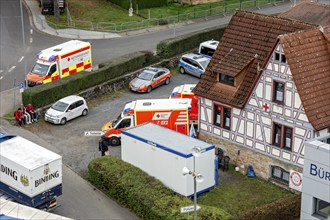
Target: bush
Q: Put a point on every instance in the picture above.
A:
(288, 209)
(178, 45)
(146, 196)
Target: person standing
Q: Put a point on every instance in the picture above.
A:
(103, 148)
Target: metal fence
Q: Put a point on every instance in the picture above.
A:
(151, 22)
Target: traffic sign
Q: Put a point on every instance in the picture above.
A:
(189, 209)
(93, 133)
(21, 87)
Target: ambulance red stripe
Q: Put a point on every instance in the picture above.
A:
(79, 64)
(76, 51)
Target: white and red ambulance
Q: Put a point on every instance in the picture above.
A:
(183, 92)
(169, 113)
(60, 61)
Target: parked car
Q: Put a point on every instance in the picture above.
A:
(150, 78)
(193, 64)
(66, 109)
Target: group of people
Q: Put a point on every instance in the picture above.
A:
(25, 115)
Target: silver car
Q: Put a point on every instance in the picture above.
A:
(193, 64)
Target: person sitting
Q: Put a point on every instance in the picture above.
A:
(19, 116)
(30, 110)
(26, 115)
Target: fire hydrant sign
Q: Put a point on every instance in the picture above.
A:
(295, 180)
(189, 209)
(93, 133)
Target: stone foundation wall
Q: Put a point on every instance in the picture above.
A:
(261, 163)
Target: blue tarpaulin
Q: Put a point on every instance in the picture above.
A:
(250, 171)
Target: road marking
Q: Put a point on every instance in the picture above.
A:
(11, 69)
(1, 77)
(1, 71)
(31, 40)
(20, 60)
(31, 31)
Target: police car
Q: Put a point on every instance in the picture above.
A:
(193, 64)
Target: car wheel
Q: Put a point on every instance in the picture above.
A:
(63, 121)
(167, 81)
(84, 113)
(149, 89)
(114, 141)
(182, 71)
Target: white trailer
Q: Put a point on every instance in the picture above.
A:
(11, 210)
(30, 174)
(163, 153)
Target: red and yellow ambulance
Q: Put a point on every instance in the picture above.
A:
(60, 61)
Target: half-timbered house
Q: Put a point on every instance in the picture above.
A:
(266, 92)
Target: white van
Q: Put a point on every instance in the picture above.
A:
(208, 47)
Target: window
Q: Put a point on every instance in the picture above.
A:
(321, 209)
(282, 136)
(124, 123)
(278, 92)
(222, 117)
(227, 79)
(207, 51)
(280, 57)
(280, 174)
(52, 70)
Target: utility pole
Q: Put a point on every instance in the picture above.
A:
(56, 10)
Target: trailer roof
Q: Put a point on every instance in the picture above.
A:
(27, 153)
(162, 104)
(167, 139)
(13, 210)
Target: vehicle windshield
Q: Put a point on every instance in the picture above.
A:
(115, 122)
(204, 63)
(146, 75)
(60, 106)
(40, 69)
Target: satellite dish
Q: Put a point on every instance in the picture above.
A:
(185, 171)
(196, 151)
(199, 178)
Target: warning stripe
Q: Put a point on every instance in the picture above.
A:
(76, 51)
(69, 71)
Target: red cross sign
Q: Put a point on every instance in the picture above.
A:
(265, 106)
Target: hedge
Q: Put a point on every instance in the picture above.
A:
(146, 196)
(171, 47)
(288, 208)
(141, 3)
(46, 94)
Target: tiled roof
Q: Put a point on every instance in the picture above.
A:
(244, 46)
(309, 12)
(308, 55)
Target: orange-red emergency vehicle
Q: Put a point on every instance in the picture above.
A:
(183, 92)
(60, 61)
(170, 113)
